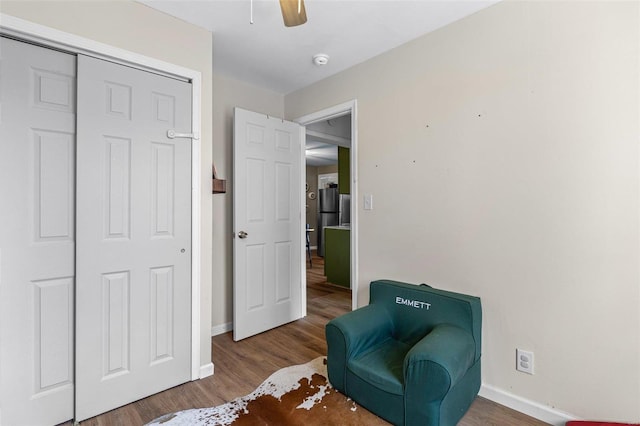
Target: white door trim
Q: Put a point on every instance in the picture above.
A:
(303, 226)
(46, 36)
(326, 114)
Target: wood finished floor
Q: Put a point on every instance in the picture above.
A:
(241, 366)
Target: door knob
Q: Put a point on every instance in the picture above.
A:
(242, 235)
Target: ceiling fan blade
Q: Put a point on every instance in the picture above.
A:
(293, 12)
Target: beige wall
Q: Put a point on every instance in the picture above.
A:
(229, 93)
(137, 28)
(502, 155)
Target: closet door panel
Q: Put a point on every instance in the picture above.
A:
(37, 193)
(134, 236)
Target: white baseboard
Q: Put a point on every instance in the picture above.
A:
(206, 370)
(221, 329)
(530, 408)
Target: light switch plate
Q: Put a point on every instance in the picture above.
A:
(368, 202)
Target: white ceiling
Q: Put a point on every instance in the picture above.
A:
(323, 139)
(268, 54)
(320, 154)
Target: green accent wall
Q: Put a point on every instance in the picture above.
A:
(344, 172)
(337, 256)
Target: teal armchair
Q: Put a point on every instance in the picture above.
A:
(412, 356)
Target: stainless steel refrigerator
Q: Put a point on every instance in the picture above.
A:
(333, 210)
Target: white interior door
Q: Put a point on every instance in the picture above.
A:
(37, 150)
(133, 300)
(267, 223)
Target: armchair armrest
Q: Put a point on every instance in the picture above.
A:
(351, 334)
(437, 362)
(363, 327)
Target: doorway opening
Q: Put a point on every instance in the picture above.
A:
(331, 202)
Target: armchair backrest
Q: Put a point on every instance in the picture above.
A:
(415, 310)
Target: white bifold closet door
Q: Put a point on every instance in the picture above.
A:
(37, 197)
(95, 235)
(133, 257)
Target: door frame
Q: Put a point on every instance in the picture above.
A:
(349, 107)
(71, 43)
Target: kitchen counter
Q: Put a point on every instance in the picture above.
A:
(341, 227)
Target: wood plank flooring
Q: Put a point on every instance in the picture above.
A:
(241, 366)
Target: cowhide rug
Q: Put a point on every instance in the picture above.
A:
(297, 395)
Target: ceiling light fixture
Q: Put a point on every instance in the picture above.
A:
(293, 12)
(320, 59)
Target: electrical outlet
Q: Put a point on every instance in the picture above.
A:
(524, 361)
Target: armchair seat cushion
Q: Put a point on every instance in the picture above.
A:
(382, 366)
